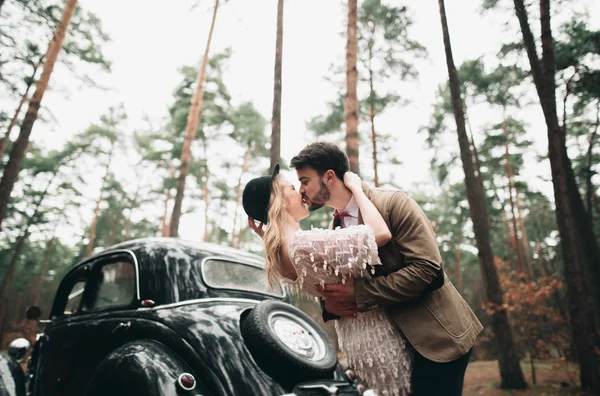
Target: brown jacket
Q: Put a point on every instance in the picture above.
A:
(439, 324)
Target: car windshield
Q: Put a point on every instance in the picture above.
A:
(222, 274)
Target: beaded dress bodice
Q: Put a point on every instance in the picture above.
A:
(373, 346)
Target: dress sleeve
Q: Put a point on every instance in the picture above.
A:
(343, 251)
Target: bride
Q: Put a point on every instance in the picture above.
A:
(307, 260)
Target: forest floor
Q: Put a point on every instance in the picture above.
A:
(553, 378)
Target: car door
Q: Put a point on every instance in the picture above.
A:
(92, 304)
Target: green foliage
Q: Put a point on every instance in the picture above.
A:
(28, 27)
(385, 52)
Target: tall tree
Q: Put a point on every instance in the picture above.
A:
(7, 284)
(25, 96)
(351, 99)
(191, 130)
(276, 120)
(249, 130)
(105, 135)
(17, 154)
(508, 359)
(385, 52)
(581, 256)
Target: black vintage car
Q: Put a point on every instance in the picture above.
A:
(161, 316)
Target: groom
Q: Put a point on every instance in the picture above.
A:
(410, 284)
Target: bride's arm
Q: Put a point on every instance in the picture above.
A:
(370, 214)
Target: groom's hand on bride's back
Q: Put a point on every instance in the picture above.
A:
(256, 228)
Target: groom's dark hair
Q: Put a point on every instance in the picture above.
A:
(322, 156)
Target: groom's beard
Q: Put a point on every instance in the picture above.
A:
(320, 198)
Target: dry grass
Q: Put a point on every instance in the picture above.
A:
(553, 378)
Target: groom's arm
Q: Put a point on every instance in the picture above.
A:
(413, 236)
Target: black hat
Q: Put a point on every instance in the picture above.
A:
(257, 195)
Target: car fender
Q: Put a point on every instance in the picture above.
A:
(12, 378)
(143, 367)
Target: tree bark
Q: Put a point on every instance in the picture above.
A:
(45, 263)
(588, 173)
(40, 284)
(351, 99)
(128, 221)
(541, 262)
(90, 245)
(459, 276)
(235, 235)
(191, 129)
(164, 227)
(11, 171)
(276, 120)
(524, 239)
(206, 194)
(372, 114)
(511, 200)
(7, 284)
(15, 119)
(510, 370)
(579, 248)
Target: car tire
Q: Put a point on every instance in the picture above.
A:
(287, 344)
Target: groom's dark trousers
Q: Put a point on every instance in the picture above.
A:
(431, 378)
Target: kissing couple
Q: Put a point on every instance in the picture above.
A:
(401, 324)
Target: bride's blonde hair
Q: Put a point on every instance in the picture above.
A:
(275, 232)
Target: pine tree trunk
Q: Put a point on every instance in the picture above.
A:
(191, 129)
(113, 231)
(128, 221)
(511, 200)
(25, 232)
(164, 227)
(236, 236)
(509, 239)
(45, 263)
(276, 120)
(581, 256)
(541, 262)
(15, 119)
(90, 245)
(372, 114)
(510, 370)
(40, 284)
(351, 100)
(206, 194)
(459, 276)
(11, 171)
(525, 240)
(7, 284)
(589, 173)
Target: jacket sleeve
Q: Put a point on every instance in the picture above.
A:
(413, 236)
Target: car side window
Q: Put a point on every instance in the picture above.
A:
(221, 274)
(115, 286)
(74, 297)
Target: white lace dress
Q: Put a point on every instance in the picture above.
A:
(374, 347)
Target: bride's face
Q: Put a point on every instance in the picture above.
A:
(293, 201)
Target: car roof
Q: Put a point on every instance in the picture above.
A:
(197, 248)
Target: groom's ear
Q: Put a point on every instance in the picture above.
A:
(329, 176)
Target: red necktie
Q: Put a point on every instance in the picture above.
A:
(341, 214)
